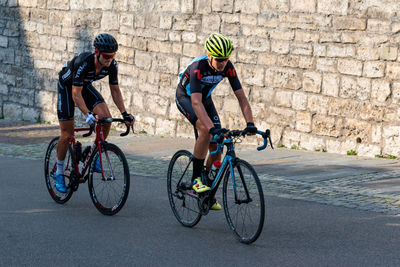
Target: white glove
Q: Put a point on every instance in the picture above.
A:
(90, 118)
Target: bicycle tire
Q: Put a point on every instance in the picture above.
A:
(50, 162)
(117, 180)
(183, 203)
(239, 215)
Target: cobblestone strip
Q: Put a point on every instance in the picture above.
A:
(344, 191)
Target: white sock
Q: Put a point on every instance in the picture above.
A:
(60, 167)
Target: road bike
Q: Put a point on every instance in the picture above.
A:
(108, 185)
(243, 197)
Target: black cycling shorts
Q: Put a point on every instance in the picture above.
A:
(184, 104)
(66, 105)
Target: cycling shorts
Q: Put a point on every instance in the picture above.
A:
(66, 105)
(184, 104)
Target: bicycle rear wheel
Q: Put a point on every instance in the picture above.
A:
(244, 202)
(109, 194)
(50, 167)
(184, 203)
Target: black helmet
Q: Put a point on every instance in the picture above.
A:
(105, 43)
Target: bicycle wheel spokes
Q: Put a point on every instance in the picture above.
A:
(183, 202)
(50, 166)
(109, 193)
(244, 202)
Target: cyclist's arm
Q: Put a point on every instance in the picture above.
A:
(117, 97)
(78, 99)
(244, 105)
(200, 111)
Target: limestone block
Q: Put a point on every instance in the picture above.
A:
(166, 64)
(330, 84)
(358, 88)
(243, 6)
(231, 105)
(283, 34)
(327, 126)
(211, 23)
(354, 128)
(222, 5)
(349, 23)
(319, 50)
(280, 47)
(367, 53)
(246, 57)
(340, 147)
(391, 140)
(28, 3)
(368, 111)
(318, 104)
(266, 59)
(203, 6)
(376, 133)
(30, 114)
(330, 37)
(380, 90)
(76, 4)
(252, 75)
(303, 122)
(193, 50)
(301, 49)
(247, 19)
(165, 127)
(367, 150)
(283, 98)
(3, 41)
(59, 4)
(3, 89)
(326, 64)
(393, 70)
(374, 69)
(275, 5)
(283, 77)
(350, 66)
(254, 31)
(281, 116)
(257, 44)
(388, 53)
(340, 51)
(299, 101)
(40, 15)
(187, 6)
(379, 26)
(303, 6)
(12, 111)
(291, 137)
(312, 82)
(143, 59)
(109, 21)
(189, 37)
(306, 36)
(338, 7)
(395, 92)
(267, 21)
(288, 61)
(45, 98)
(169, 6)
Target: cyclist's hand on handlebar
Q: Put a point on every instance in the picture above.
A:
(213, 131)
(128, 118)
(250, 129)
(90, 118)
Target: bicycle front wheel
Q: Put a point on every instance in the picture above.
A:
(50, 167)
(184, 203)
(109, 192)
(244, 201)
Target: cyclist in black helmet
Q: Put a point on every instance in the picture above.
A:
(75, 88)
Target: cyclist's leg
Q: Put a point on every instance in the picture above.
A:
(184, 104)
(95, 103)
(65, 113)
(213, 114)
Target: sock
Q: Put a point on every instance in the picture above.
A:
(197, 167)
(60, 167)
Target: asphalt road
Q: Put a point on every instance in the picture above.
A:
(34, 230)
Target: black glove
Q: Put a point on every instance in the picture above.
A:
(213, 131)
(250, 128)
(127, 117)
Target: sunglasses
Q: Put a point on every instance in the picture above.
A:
(221, 59)
(107, 56)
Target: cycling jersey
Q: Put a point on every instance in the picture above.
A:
(200, 77)
(81, 71)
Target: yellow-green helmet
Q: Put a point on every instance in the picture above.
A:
(218, 46)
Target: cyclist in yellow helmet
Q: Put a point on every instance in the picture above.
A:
(193, 98)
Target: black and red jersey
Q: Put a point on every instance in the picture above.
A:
(200, 77)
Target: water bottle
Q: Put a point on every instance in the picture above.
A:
(78, 151)
(214, 169)
(85, 153)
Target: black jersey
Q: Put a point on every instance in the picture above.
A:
(81, 71)
(199, 77)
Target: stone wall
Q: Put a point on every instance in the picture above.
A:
(322, 74)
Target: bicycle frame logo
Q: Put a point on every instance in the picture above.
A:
(89, 155)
